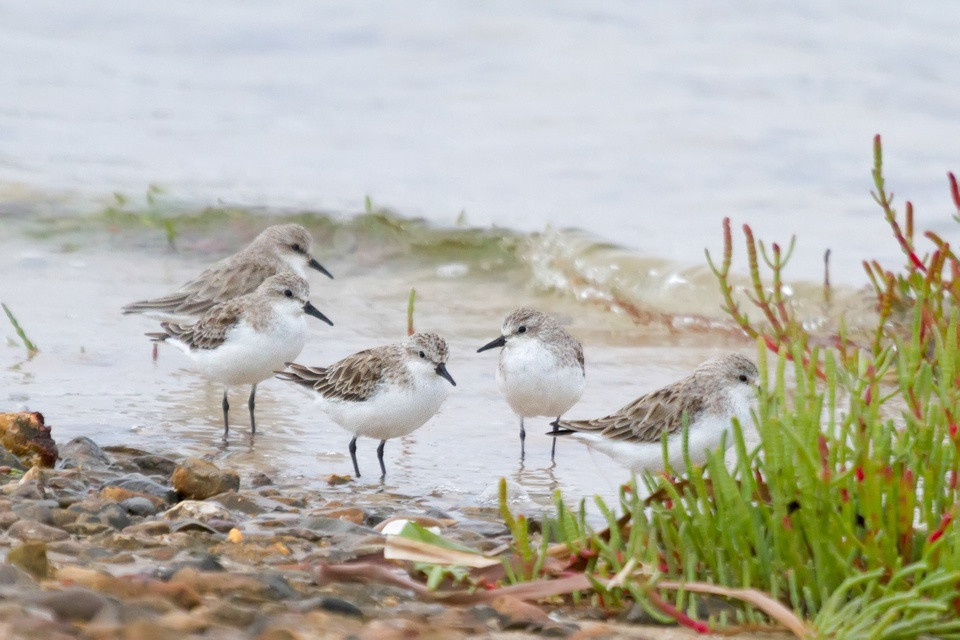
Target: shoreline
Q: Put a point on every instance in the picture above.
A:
(103, 546)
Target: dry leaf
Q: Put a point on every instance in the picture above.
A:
(400, 548)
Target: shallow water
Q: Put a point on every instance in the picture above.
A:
(94, 375)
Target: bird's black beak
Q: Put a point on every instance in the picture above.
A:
(319, 267)
(499, 342)
(443, 373)
(313, 311)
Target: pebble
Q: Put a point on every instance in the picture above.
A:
(83, 453)
(72, 603)
(140, 483)
(31, 557)
(155, 465)
(139, 506)
(34, 510)
(198, 479)
(31, 530)
(11, 575)
(197, 510)
(260, 480)
(130, 561)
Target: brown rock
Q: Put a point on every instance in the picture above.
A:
(72, 603)
(198, 479)
(334, 479)
(26, 436)
(7, 518)
(31, 530)
(350, 514)
(119, 494)
(31, 557)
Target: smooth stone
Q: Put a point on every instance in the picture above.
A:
(72, 603)
(29, 491)
(149, 528)
(250, 505)
(83, 453)
(142, 484)
(30, 530)
(206, 562)
(260, 480)
(198, 479)
(34, 511)
(330, 604)
(155, 465)
(330, 526)
(31, 557)
(114, 515)
(196, 509)
(277, 586)
(183, 526)
(86, 527)
(12, 575)
(138, 506)
(231, 614)
(63, 517)
(7, 459)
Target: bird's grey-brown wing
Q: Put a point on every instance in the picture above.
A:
(207, 333)
(645, 419)
(354, 378)
(579, 354)
(223, 281)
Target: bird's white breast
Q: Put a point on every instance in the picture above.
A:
(534, 382)
(249, 356)
(394, 410)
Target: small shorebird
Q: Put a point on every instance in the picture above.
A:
(541, 367)
(385, 392)
(282, 247)
(717, 391)
(244, 340)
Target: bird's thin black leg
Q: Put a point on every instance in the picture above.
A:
(353, 455)
(226, 422)
(556, 428)
(383, 469)
(523, 437)
(250, 404)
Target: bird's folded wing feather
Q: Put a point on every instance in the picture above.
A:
(210, 331)
(221, 282)
(354, 378)
(645, 419)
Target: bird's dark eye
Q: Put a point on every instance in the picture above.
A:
(423, 355)
(521, 329)
(288, 293)
(743, 378)
(297, 248)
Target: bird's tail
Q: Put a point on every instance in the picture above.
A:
(160, 336)
(167, 304)
(566, 427)
(302, 375)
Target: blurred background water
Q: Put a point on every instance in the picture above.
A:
(604, 144)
